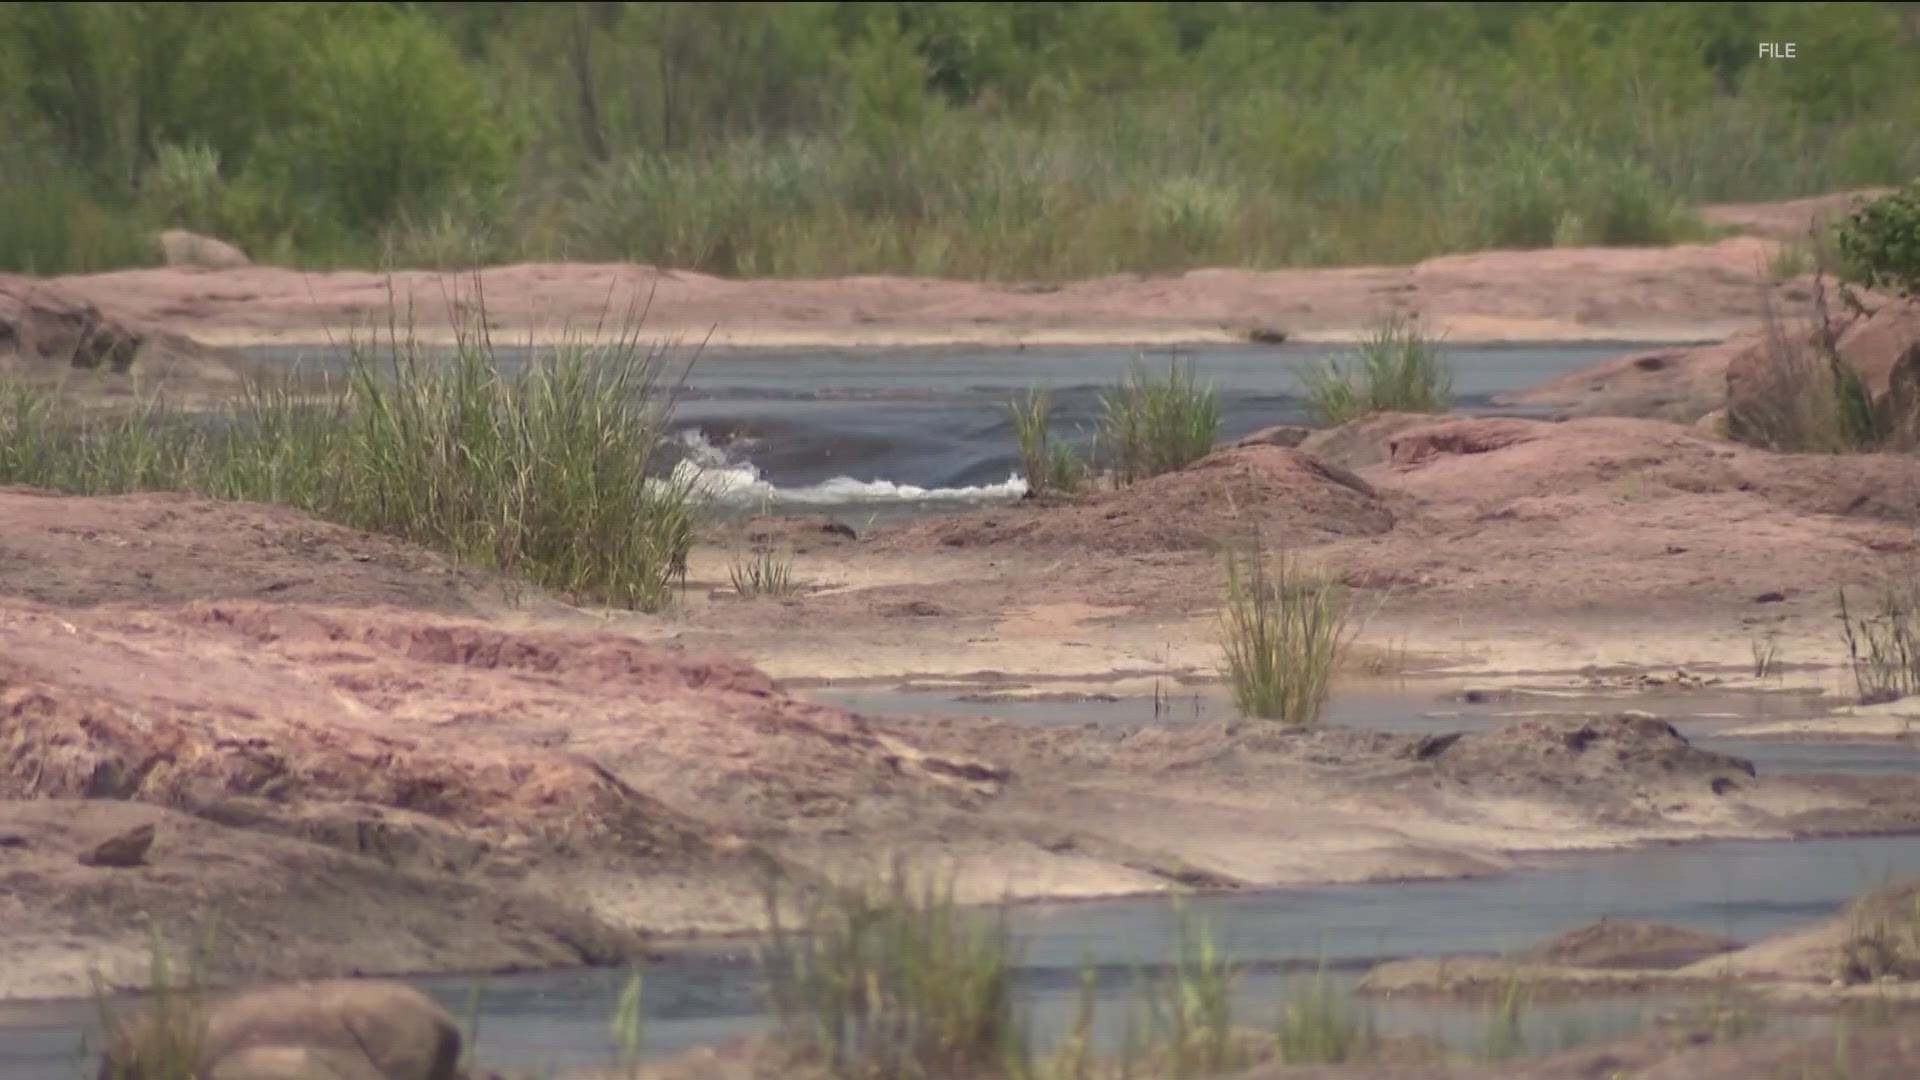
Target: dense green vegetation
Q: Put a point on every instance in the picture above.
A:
(542, 472)
(994, 140)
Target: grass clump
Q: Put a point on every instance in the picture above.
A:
(1150, 426)
(763, 571)
(169, 1041)
(1504, 1038)
(1804, 397)
(1283, 631)
(893, 979)
(1397, 368)
(1882, 941)
(1883, 642)
(1050, 468)
(1320, 1025)
(1189, 1011)
(541, 471)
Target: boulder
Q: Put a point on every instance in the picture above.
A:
(336, 1030)
(193, 251)
(38, 324)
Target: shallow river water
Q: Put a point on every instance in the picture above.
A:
(880, 435)
(927, 430)
(1744, 889)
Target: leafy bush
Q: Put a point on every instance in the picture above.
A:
(1880, 242)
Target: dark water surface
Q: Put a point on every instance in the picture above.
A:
(838, 431)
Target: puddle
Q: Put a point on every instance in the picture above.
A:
(1698, 714)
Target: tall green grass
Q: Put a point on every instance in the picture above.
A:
(1188, 1031)
(1149, 425)
(542, 472)
(1050, 467)
(1283, 630)
(1321, 1024)
(1396, 368)
(890, 978)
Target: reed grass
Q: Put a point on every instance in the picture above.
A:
(763, 570)
(1283, 630)
(1050, 467)
(1804, 397)
(1149, 426)
(891, 978)
(1504, 1038)
(541, 472)
(169, 1040)
(1397, 367)
(1883, 642)
(1321, 1025)
(1188, 1031)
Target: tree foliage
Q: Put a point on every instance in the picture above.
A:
(920, 135)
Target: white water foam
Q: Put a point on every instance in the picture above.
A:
(738, 483)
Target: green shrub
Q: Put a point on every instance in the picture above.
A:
(51, 222)
(1397, 368)
(1880, 242)
(1282, 631)
(1151, 426)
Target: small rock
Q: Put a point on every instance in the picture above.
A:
(125, 850)
(1770, 598)
(1283, 435)
(12, 840)
(1267, 335)
(183, 248)
(919, 609)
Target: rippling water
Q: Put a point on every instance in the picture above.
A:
(827, 431)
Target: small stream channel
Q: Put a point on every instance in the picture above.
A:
(1743, 889)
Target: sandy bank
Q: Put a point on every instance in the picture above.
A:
(1691, 292)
